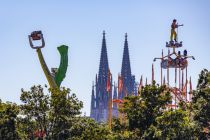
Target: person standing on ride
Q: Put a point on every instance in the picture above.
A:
(173, 32)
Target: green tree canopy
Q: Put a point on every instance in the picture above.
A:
(201, 103)
(173, 124)
(85, 128)
(141, 111)
(8, 116)
(51, 115)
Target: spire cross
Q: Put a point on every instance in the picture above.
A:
(104, 33)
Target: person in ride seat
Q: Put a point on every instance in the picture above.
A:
(178, 58)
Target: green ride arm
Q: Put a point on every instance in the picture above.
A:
(61, 74)
(47, 73)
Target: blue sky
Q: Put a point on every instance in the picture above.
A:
(79, 24)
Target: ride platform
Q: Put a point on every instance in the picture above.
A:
(173, 44)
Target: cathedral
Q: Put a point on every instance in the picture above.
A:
(103, 89)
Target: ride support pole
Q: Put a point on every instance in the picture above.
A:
(161, 70)
(179, 79)
(168, 67)
(182, 79)
(175, 85)
(47, 73)
(186, 83)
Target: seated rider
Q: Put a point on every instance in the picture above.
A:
(178, 58)
(185, 53)
(183, 58)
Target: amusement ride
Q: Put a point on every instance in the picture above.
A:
(178, 62)
(173, 60)
(56, 75)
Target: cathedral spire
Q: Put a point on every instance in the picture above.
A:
(126, 69)
(92, 98)
(101, 95)
(104, 66)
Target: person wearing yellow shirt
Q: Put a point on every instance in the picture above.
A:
(173, 30)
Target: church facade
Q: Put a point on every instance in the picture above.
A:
(105, 90)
